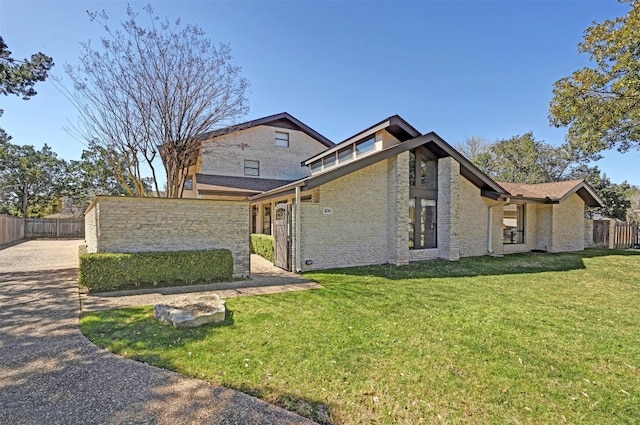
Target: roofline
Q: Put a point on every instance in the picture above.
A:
(385, 123)
(468, 169)
(264, 121)
(595, 200)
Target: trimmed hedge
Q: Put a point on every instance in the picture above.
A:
(110, 271)
(263, 245)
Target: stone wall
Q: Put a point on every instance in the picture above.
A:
(349, 226)
(568, 225)
(125, 224)
(474, 216)
(225, 154)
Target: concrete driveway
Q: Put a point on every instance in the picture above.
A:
(50, 374)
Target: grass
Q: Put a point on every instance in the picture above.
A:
(524, 339)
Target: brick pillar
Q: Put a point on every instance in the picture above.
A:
(449, 208)
(398, 210)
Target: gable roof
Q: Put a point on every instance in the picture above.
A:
(281, 120)
(210, 184)
(432, 141)
(554, 192)
(395, 125)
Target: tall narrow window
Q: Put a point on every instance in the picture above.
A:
(423, 193)
(251, 167)
(266, 220)
(282, 139)
(513, 223)
(254, 218)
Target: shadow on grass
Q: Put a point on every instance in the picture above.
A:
(136, 330)
(531, 262)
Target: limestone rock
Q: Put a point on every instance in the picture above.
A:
(192, 311)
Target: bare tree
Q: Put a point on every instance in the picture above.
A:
(150, 92)
(473, 146)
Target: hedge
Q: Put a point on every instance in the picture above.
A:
(263, 245)
(110, 271)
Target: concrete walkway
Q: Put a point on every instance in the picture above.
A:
(50, 374)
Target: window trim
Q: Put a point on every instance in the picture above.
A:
(282, 139)
(248, 166)
(417, 194)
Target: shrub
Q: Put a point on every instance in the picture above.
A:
(109, 271)
(263, 245)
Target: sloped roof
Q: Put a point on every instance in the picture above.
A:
(553, 192)
(216, 184)
(395, 125)
(432, 141)
(281, 120)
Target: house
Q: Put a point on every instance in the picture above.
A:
(388, 194)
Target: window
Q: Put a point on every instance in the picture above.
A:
(251, 167)
(513, 223)
(423, 193)
(188, 183)
(329, 161)
(266, 220)
(316, 166)
(365, 146)
(254, 219)
(282, 139)
(345, 154)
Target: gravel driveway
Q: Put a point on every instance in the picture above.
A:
(50, 374)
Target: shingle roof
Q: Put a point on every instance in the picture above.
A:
(554, 192)
(249, 185)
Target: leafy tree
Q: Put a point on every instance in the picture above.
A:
(601, 105)
(19, 76)
(523, 159)
(149, 92)
(30, 180)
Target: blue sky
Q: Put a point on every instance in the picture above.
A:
(459, 68)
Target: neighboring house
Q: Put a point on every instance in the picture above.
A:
(388, 194)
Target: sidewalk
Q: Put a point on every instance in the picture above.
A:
(51, 374)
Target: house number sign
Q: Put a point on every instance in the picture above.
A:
(327, 210)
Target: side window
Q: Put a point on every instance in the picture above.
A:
(513, 223)
(251, 167)
(282, 139)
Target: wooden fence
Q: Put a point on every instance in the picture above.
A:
(11, 228)
(601, 233)
(626, 234)
(54, 228)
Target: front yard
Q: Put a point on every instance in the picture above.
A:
(524, 339)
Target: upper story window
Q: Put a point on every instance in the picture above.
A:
(365, 146)
(251, 167)
(282, 139)
(346, 154)
(513, 223)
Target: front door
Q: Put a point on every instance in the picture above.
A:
(283, 236)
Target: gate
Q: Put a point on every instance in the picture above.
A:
(601, 233)
(283, 236)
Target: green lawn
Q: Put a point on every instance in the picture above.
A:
(524, 339)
